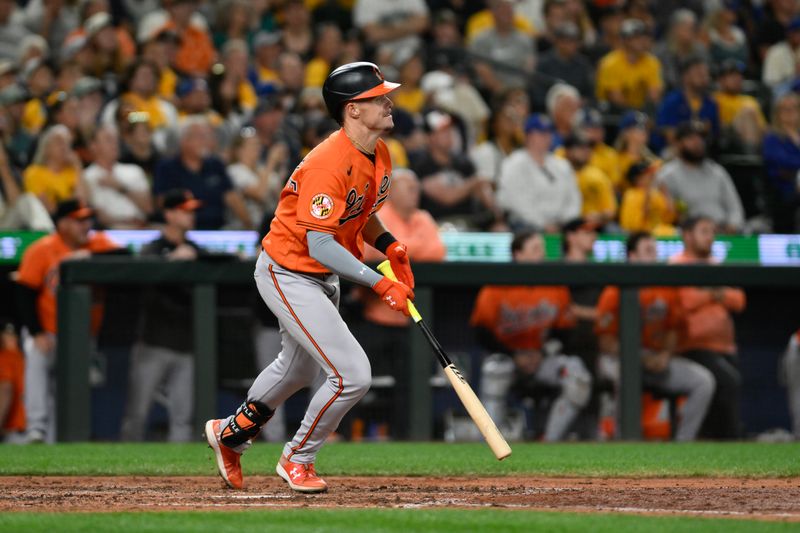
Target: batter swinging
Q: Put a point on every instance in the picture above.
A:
(327, 210)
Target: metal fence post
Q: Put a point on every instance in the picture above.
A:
(420, 405)
(631, 363)
(205, 353)
(73, 349)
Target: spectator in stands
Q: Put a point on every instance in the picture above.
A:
(291, 76)
(630, 77)
(646, 207)
(503, 55)
(327, 49)
(690, 101)
(538, 189)
(590, 123)
(55, 173)
(780, 63)
(681, 43)
(235, 19)
(90, 98)
(163, 356)
(38, 285)
(740, 116)
(109, 56)
(663, 370)
(701, 186)
(9, 73)
(194, 98)
(777, 16)
(296, 34)
(727, 41)
(53, 20)
(409, 96)
(260, 185)
(272, 129)
(12, 29)
(389, 26)
(136, 136)
(38, 78)
(12, 386)
(264, 68)
(17, 141)
(140, 90)
(609, 36)
(599, 204)
(563, 103)
(566, 62)
(514, 323)
(19, 210)
(119, 192)
(451, 191)
(631, 144)
(505, 136)
(385, 335)
(707, 335)
(446, 48)
(197, 169)
(781, 153)
(196, 52)
(232, 94)
(555, 13)
(158, 44)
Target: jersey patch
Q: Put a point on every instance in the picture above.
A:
(321, 206)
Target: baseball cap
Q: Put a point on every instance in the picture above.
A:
(794, 24)
(690, 127)
(13, 94)
(633, 28)
(267, 103)
(643, 166)
(87, 85)
(8, 67)
(588, 117)
(182, 199)
(436, 120)
(538, 122)
(188, 85)
(96, 22)
(689, 62)
(266, 38)
(729, 66)
(633, 119)
(567, 30)
(578, 224)
(72, 208)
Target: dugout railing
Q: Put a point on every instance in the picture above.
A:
(77, 278)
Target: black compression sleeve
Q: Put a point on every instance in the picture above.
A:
(383, 241)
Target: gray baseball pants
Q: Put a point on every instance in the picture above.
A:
(318, 351)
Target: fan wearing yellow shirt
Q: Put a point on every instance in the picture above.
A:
(54, 174)
(328, 47)
(599, 205)
(740, 114)
(631, 144)
(604, 157)
(630, 77)
(409, 96)
(646, 207)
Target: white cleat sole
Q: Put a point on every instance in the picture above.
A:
(299, 488)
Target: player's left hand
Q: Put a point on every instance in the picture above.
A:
(397, 253)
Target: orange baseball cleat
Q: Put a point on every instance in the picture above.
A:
(228, 465)
(300, 477)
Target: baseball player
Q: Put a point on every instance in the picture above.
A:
(662, 369)
(514, 322)
(327, 211)
(38, 283)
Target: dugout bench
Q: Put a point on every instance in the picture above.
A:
(74, 301)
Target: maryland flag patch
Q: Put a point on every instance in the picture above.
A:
(321, 206)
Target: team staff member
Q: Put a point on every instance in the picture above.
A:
(514, 322)
(38, 280)
(661, 317)
(327, 211)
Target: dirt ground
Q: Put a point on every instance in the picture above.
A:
(763, 499)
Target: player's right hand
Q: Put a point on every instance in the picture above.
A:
(394, 294)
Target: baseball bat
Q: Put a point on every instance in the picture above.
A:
(465, 393)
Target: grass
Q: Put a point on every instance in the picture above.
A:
(421, 459)
(374, 520)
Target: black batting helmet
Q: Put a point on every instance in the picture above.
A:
(353, 81)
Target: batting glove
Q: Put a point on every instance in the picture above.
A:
(395, 294)
(397, 253)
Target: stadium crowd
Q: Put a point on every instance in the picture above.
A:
(550, 116)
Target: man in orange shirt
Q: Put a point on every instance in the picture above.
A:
(663, 371)
(12, 386)
(514, 322)
(38, 284)
(196, 50)
(707, 332)
(327, 211)
(384, 333)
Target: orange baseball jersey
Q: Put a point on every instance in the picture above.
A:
(39, 270)
(660, 314)
(520, 316)
(12, 370)
(335, 189)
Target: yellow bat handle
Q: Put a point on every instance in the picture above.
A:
(385, 268)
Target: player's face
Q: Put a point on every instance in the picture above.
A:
(532, 251)
(701, 239)
(646, 252)
(376, 113)
(75, 232)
